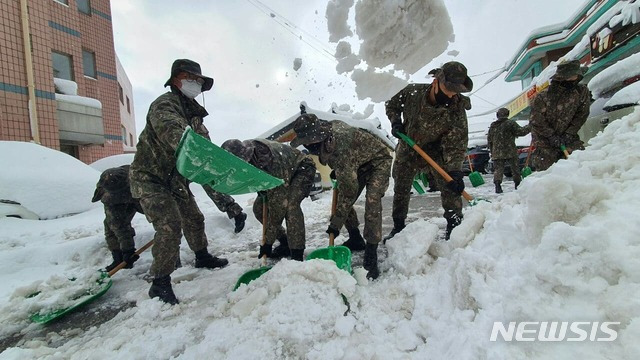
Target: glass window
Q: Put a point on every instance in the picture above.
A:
(62, 66)
(66, 2)
(124, 134)
(84, 6)
(121, 94)
(128, 106)
(89, 63)
(130, 140)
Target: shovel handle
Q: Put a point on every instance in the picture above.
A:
(334, 204)
(470, 164)
(264, 228)
(564, 151)
(526, 162)
(124, 263)
(433, 164)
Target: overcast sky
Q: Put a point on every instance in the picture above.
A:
(250, 55)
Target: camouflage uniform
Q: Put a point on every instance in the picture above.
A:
(283, 202)
(164, 194)
(441, 131)
(119, 208)
(557, 114)
(359, 159)
(502, 144)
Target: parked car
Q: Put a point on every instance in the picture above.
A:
(479, 156)
(522, 160)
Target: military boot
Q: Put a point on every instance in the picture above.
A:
(355, 241)
(297, 254)
(206, 260)
(239, 220)
(117, 259)
(129, 256)
(498, 188)
(398, 225)
(453, 220)
(370, 261)
(282, 250)
(161, 288)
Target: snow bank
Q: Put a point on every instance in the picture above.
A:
(112, 161)
(615, 74)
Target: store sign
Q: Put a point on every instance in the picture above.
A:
(522, 102)
(607, 39)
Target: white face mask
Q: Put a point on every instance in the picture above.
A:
(190, 88)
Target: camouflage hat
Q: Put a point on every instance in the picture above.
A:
(114, 179)
(192, 68)
(454, 77)
(502, 113)
(309, 130)
(569, 69)
(237, 148)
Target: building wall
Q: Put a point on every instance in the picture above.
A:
(127, 114)
(62, 28)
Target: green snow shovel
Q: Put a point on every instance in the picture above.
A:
(251, 275)
(102, 285)
(205, 163)
(474, 176)
(341, 255)
(417, 187)
(435, 165)
(526, 170)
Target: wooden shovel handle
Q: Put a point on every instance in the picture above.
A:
(526, 162)
(123, 264)
(564, 151)
(264, 228)
(470, 164)
(429, 160)
(334, 204)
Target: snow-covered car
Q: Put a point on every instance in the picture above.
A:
(10, 208)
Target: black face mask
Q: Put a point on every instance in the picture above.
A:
(442, 98)
(567, 84)
(314, 149)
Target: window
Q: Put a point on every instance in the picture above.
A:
(130, 140)
(84, 6)
(128, 106)
(89, 63)
(62, 66)
(66, 2)
(121, 94)
(124, 135)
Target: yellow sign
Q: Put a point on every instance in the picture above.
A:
(523, 101)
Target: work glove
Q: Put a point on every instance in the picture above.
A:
(265, 250)
(457, 184)
(129, 256)
(397, 127)
(332, 175)
(556, 141)
(332, 230)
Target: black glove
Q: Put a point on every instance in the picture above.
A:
(556, 141)
(265, 250)
(334, 231)
(129, 256)
(397, 127)
(457, 184)
(332, 175)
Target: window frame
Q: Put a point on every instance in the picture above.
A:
(93, 58)
(71, 67)
(88, 2)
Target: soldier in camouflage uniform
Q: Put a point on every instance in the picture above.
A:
(119, 208)
(360, 160)
(283, 202)
(434, 116)
(164, 194)
(557, 113)
(502, 144)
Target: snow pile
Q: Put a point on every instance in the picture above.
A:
(614, 75)
(403, 34)
(63, 187)
(629, 95)
(66, 87)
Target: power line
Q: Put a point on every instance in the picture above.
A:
(488, 72)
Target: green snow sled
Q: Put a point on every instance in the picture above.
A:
(205, 163)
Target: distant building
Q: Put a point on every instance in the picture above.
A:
(87, 111)
(599, 34)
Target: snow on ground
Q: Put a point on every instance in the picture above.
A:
(564, 247)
